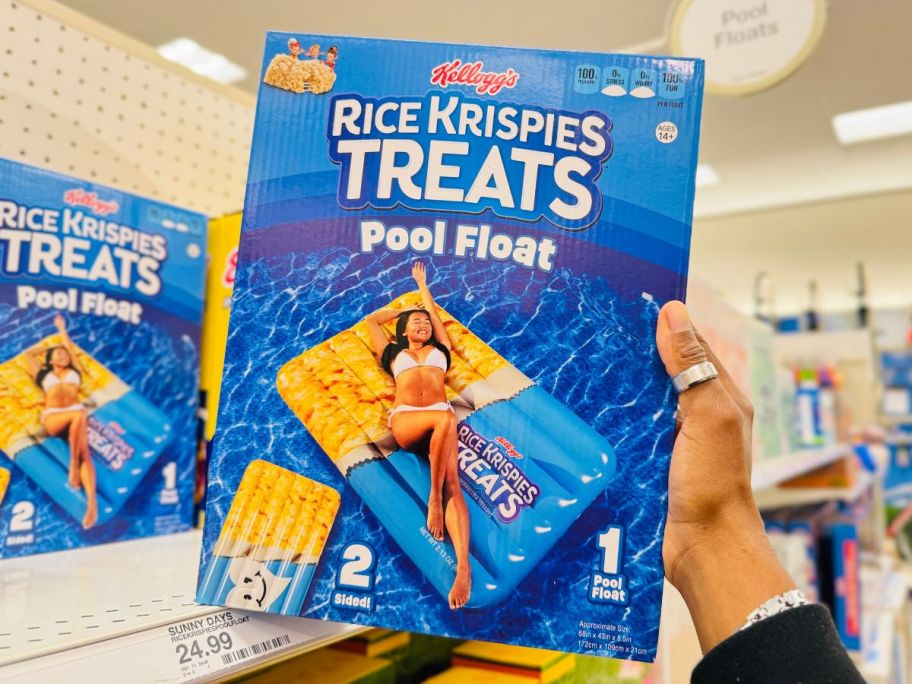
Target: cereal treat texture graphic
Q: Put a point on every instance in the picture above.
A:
(299, 76)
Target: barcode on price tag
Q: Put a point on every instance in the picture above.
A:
(255, 649)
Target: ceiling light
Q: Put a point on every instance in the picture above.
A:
(201, 61)
(863, 125)
(706, 176)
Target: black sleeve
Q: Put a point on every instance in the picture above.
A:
(798, 645)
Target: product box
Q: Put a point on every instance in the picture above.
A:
(328, 666)
(442, 408)
(745, 347)
(375, 642)
(224, 234)
(100, 307)
(839, 580)
(537, 664)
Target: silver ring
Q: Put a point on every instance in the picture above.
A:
(694, 375)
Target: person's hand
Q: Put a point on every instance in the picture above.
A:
(60, 323)
(419, 274)
(710, 466)
(715, 551)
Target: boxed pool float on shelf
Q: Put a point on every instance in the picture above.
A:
(100, 307)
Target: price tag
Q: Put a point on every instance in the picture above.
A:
(219, 642)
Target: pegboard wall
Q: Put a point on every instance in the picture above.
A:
(76, 102)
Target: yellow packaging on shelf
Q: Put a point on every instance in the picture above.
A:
(599, 670)
(328, 666)
(470, 675)
(836, 475)
(536, 663)
(224, 235)
(375, 642)
(271, 541)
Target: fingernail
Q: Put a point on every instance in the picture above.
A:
(676, 315)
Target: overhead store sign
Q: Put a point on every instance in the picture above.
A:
(748, 45)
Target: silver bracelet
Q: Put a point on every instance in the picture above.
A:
(777, 604)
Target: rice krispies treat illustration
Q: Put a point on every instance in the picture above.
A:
(271, 541)
(300, 76)
(343, 395)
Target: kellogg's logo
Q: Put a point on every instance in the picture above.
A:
(90, 200)
(473, 74)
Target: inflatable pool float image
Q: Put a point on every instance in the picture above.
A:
(126, 434)
(528, 465)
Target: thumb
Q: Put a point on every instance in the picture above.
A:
(678, 344)
(680, 348)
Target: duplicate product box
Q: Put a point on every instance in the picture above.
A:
(222, 243)
(442, 408)
(100, 308)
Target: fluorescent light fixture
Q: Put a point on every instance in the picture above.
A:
(864, 125)
(201, 61)
(706, 176)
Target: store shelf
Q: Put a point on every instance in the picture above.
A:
(770, 472)
(125, 612)
(777, 497)
(892, 421)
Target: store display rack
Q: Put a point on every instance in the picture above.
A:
(772, 471)
(779, 497)
(130, 606)
(125, 612)
(896, 420)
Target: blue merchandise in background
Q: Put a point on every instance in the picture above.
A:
(583, 331)
(158, 357)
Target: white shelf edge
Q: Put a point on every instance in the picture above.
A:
(777, 497)
(149, 654)
(770, 472)
(103, 614)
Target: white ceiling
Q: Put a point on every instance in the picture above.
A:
(773, 149)
(821, 242)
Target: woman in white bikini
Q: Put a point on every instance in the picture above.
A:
(422, 419)
(56, 370)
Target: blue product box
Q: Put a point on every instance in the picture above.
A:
(840, 563)
(100, 309)
(451, 265)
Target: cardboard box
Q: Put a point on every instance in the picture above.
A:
(536, 207)
(224, 234)
(328, 666)
(376, 642)
(539, 665)
(100, 308)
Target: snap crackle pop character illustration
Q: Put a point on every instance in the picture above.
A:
(423, 421)
(332, 54)
(57, 371)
